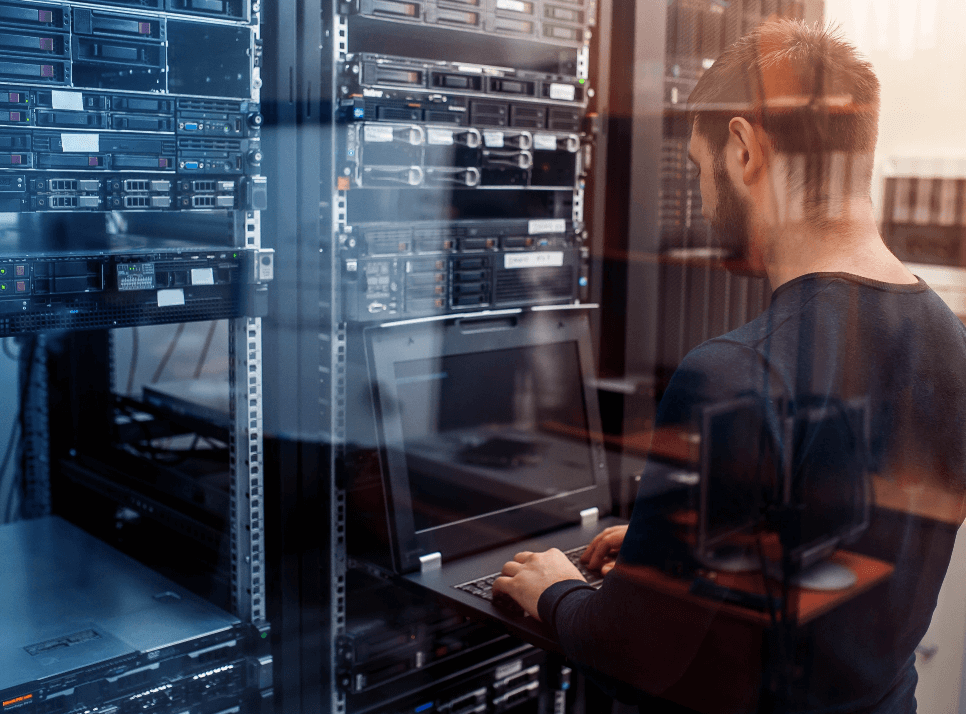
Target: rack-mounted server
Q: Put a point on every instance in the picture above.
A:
(89, 291)
(93, 630)
(563, 22)
(96, 99)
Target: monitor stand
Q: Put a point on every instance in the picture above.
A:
(732, 559)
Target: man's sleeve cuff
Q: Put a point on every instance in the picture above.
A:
(552, 597)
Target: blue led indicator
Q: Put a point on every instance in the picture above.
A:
(358, 112)
(583, 282)
(423, 707)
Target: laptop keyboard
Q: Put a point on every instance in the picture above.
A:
(483, 587)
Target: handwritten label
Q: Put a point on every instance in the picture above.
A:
(548, 259)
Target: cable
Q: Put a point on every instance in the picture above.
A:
(204, 350)
(135, 340)
(167, 355)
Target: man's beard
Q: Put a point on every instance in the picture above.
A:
(729, 224)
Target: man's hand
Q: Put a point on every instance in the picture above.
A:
(602, 551)
(529, 574)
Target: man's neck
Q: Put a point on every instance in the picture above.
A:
(850, 245)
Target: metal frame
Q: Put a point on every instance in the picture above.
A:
(246, 450)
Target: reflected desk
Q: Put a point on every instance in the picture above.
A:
(711, 652)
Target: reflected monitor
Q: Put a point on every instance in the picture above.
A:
(740, 473)
(828, 493)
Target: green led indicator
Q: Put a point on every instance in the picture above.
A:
(235, 255)
(264, 635)
(581, 80)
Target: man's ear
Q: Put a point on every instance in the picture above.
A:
(748, 153)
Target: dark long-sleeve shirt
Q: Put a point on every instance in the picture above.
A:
(829, 337)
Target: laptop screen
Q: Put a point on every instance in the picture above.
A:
(489, 430)
(507, 426)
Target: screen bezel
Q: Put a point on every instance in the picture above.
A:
(388, 345)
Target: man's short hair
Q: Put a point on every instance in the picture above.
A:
(805, 85)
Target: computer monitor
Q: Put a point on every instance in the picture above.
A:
(741, 472)
(489, 430)
(828, 494)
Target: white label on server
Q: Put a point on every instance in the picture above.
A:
(515, 5)
(378, 133)
(493, 139)
(202, 276)
(567, 92)
(547, 225)
(547, 259)
(71, 101)
(439, 137)
(170, 298)
(470, 68)
(509, 669)
(545, 142)
(372, 92)
(87, 143)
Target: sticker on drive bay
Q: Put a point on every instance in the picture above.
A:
(377, 133)
(493, 139)
(439, 137)
(566, 92)
(544, 259)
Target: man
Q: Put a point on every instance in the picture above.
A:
(783, 136)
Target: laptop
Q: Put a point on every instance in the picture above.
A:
(489, 441)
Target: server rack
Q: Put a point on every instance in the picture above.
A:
(399, 126)
(131, 179)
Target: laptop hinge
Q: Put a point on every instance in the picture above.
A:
(589, 516)
(430, 561)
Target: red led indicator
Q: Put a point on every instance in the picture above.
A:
(45, 16)
(21, 286)
(14, 97)
(16, 159)
(162, 163)
(93, 161)
(47, 70)
(47, 43)
(144, 28)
